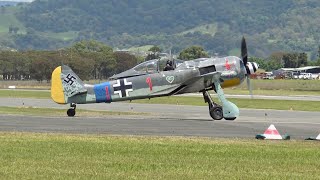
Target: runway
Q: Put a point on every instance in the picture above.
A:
(162, 120)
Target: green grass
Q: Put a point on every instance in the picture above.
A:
(241, 103)
(59, 156)
(141, 48)
(275, 92)
(210, 29)
(33, 111)
(8, 18)
(25, 94)
(284, 84)
(262, 87)
(65, 36)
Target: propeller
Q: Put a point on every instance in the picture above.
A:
(244, 51)
(251, 67)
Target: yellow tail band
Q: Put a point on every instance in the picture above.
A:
(56, 86)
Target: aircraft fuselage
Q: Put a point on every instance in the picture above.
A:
(184, 79)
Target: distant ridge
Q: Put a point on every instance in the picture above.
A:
(269, 26)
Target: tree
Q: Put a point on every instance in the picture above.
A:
(124, 61)
(155, 49)
(103, 56)
(152, 56)
(275, 61)
(10, 29)
(302, 59)
(263, 64)
(295, 60)
(15, 30)
(193, 52)
(39, 69)
(291, 60)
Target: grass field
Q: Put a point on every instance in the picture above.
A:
(8, 19)
(260, 87)
(241, 103)
(284, 84)
(15, 93)
(33, 111)
(210, 29)
(65, 36)
(59, 156)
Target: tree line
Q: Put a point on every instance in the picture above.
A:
(95, 60)
(89, 59)
(279, 60)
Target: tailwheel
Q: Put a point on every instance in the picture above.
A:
(216, 112)
(72, 111)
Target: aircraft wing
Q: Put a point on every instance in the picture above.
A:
(201, 82)
(212, 75)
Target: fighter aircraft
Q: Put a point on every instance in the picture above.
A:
(148, 80)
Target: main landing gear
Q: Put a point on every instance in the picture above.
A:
(72, 111)
(215, 110)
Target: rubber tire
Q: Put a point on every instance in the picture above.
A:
(71, 112)
(216, 113)
(230, 119)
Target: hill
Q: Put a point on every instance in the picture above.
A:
(218, 25)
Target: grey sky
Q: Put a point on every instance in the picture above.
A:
(19, 0)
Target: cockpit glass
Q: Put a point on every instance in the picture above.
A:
(178, 62)
(156, 65)
(148, 66)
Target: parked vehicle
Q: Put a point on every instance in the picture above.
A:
(306, 76)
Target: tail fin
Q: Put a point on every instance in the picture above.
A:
(64, 84)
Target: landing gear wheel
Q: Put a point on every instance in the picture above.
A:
(71, 112)
(216, 112)
(230, 119)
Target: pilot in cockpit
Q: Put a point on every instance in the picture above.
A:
(169, 66)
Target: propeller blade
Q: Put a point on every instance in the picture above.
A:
(249, 86)
(244, 51)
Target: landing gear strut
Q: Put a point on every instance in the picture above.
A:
(72, 111)
(215, 110)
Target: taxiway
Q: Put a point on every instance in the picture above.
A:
(162, 120)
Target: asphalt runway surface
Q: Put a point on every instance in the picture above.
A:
(162, 120)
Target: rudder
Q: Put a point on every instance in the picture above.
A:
(56, 87)
(64, 84)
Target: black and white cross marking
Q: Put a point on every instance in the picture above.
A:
(122, 87)
(69, 79)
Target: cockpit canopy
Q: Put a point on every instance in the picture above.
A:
(147, 67)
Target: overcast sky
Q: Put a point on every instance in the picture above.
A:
(19, 0)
